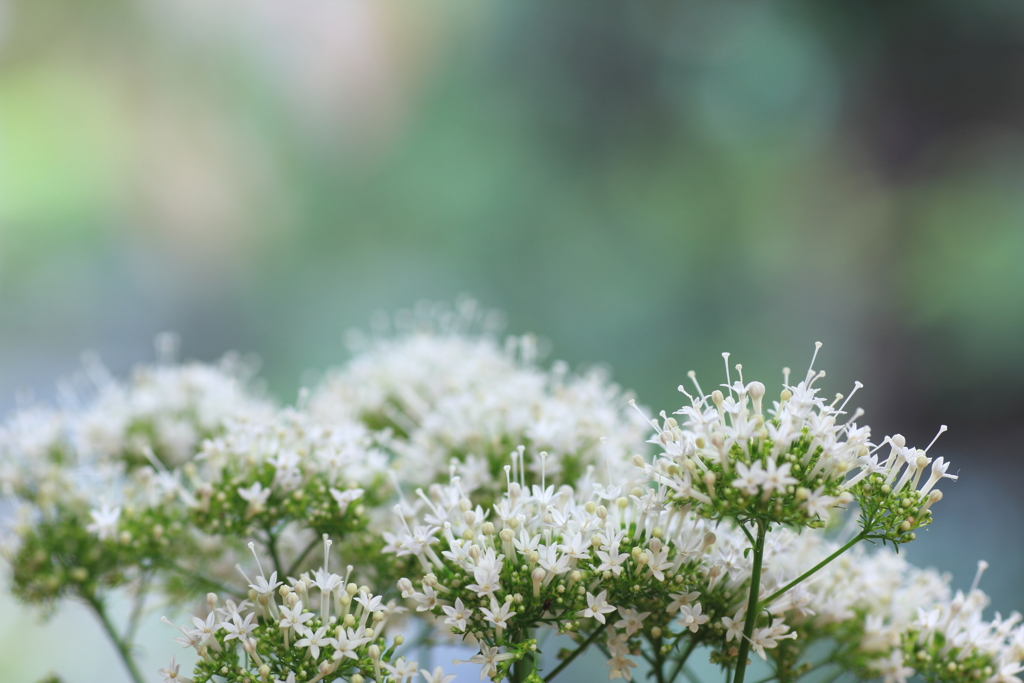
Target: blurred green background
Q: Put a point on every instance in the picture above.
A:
(644, 184)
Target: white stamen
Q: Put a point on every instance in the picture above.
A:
(982, 566)
(817, 347)
(856, 386)
(728, 379)
(252, 549)
(941, 430)
(693, 378)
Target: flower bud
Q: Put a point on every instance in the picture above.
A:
(537, 576)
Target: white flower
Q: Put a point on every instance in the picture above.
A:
(597, 606)
(237, 628)
(315, 641)
(171, 675)
(690, 616)
(457, 615)
(768, 637)
(498, 617)
(256, 496)
(344, 498)
(489, 659)
(576, 548)
(619, 667)
(104, 522)
(611, 560)
(486, 582)
(631, 621)
(402, 670)
(733, 626)
(205, 629)
(295, 619)
(777, 477)
(892, 669)
(427, 600)
(438, 676)
(680, 599)
(748, 478)
(347, 641)
(817, 504)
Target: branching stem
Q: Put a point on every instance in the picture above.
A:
(682, 659)
(576, 653)
(199, 578)
(123, 647)
(856, 539)
(138, 603)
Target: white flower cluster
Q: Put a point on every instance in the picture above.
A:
(326, 627)
(91, 481)
(589, 559)
(264, 473)
(498, 498)
(449, 393)
(792, 463)
(642, 576)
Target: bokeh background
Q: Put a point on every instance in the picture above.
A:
(643, 184)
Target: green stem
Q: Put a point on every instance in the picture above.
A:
(856, 539)
(576, 653)
(137, 604)
(658, 664)
(682, 659)
(123, 648)
(199, 578)
(834, 676)
(302, 556)
(523, 668)
(272, 549)
(692, 677)
(755, 587)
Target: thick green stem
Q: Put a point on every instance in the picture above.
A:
(856, 539)
(123, 648)
(755, 587)
(577, 652)
(524, 667)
